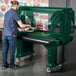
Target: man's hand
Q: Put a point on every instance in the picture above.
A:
(21, 29)
(29, 26)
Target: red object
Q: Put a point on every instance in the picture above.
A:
(3, 8)
(40, 26)
(6, 1)
(36, 2)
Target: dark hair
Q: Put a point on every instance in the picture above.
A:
(14, 2)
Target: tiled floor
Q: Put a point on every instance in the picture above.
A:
(37, 66)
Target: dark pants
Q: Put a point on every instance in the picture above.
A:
(9, 42)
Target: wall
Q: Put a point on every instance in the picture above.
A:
(72, 4)
(64, 3)
(57, 3)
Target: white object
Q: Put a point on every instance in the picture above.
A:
(26, 29)
(49, 70)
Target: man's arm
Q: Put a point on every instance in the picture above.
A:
(23, 25)
(18, 20)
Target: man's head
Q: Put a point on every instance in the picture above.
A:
(15, 5)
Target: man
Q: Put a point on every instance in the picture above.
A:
(11, 20)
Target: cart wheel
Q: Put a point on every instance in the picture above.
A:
(17, 61)
(49, 70)
(60, 66)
